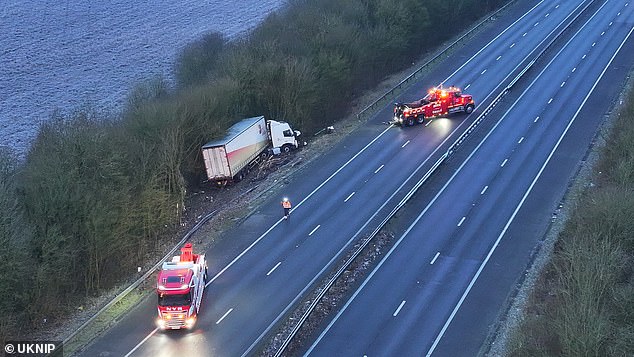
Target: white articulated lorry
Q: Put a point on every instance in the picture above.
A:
(230, 158)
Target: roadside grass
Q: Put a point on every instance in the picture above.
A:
(583, 303)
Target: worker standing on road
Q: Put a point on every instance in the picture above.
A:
(286, 204)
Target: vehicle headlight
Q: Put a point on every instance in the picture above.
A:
(190, 321)
(160, 323)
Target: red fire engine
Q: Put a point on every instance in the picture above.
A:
(438, 102)
(180, 286)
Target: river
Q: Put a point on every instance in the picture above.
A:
(60, 55)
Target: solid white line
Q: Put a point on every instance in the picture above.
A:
(272, 269)
(314, 229)
(484, 189)
(347, 198)
(429, 122)
(407, 142)
(223, 316)
(483, 71)
(562, 84)
(530, 188)
(504, 162)
(140, 343)
(398, 309)
(462, 220)
(521, 139)
(512, 45)
(550, 100)
(497, 59)
(434, 260)
(379, 169)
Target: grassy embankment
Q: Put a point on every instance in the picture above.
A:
(97, 191)
(583, 302)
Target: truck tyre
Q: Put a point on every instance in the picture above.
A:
(420, 119)
(239, 176)
(469, 109)
(410, 121)
(286, 148)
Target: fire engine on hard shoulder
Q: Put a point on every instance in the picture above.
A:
(437, 103)
(180, 286)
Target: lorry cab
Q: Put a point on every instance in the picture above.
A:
(283, 137)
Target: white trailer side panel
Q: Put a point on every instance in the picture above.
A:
(245, 147)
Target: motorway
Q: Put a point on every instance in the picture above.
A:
(264, 265)
(476, 209)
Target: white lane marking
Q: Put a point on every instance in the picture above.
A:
(434, 260)
(379, 169)
(314, 229)
(483, 71)
(467, 87)
(562, 84)
(272, 269)
(223, 316)
(619, 14)
(574, 69)
(497, 59)
(536, 119)
(550, 100)
(525, 33)
(537, 23)
(347, 198)
(610, 24)
(407, 142)
(530, 188)
(511, 46)
(521, 139)
(484, 189)
(504, 162)
(583, 57)
(398, 309)
(602, 33)
(461, 221)
(548, 14)
(557, 7)
(140, 343)
(593, 43)
(429, 122)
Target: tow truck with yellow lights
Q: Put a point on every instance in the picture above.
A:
(180, 286)
(438, 102)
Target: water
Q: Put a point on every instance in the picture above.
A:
(57, 54)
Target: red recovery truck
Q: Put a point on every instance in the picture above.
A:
(180, 286)
(437, 103)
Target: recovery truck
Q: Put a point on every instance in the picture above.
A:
(437, 103)
(180, 286)
(230, 158)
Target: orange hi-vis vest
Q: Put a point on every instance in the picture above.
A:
(286, 204)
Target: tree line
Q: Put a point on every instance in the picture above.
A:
(98, 190)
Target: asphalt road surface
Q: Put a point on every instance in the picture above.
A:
(264, 265)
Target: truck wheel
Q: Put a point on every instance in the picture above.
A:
(239, 176)
(469, 109)
(410, 121)
(286, 148)
(420, 119)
